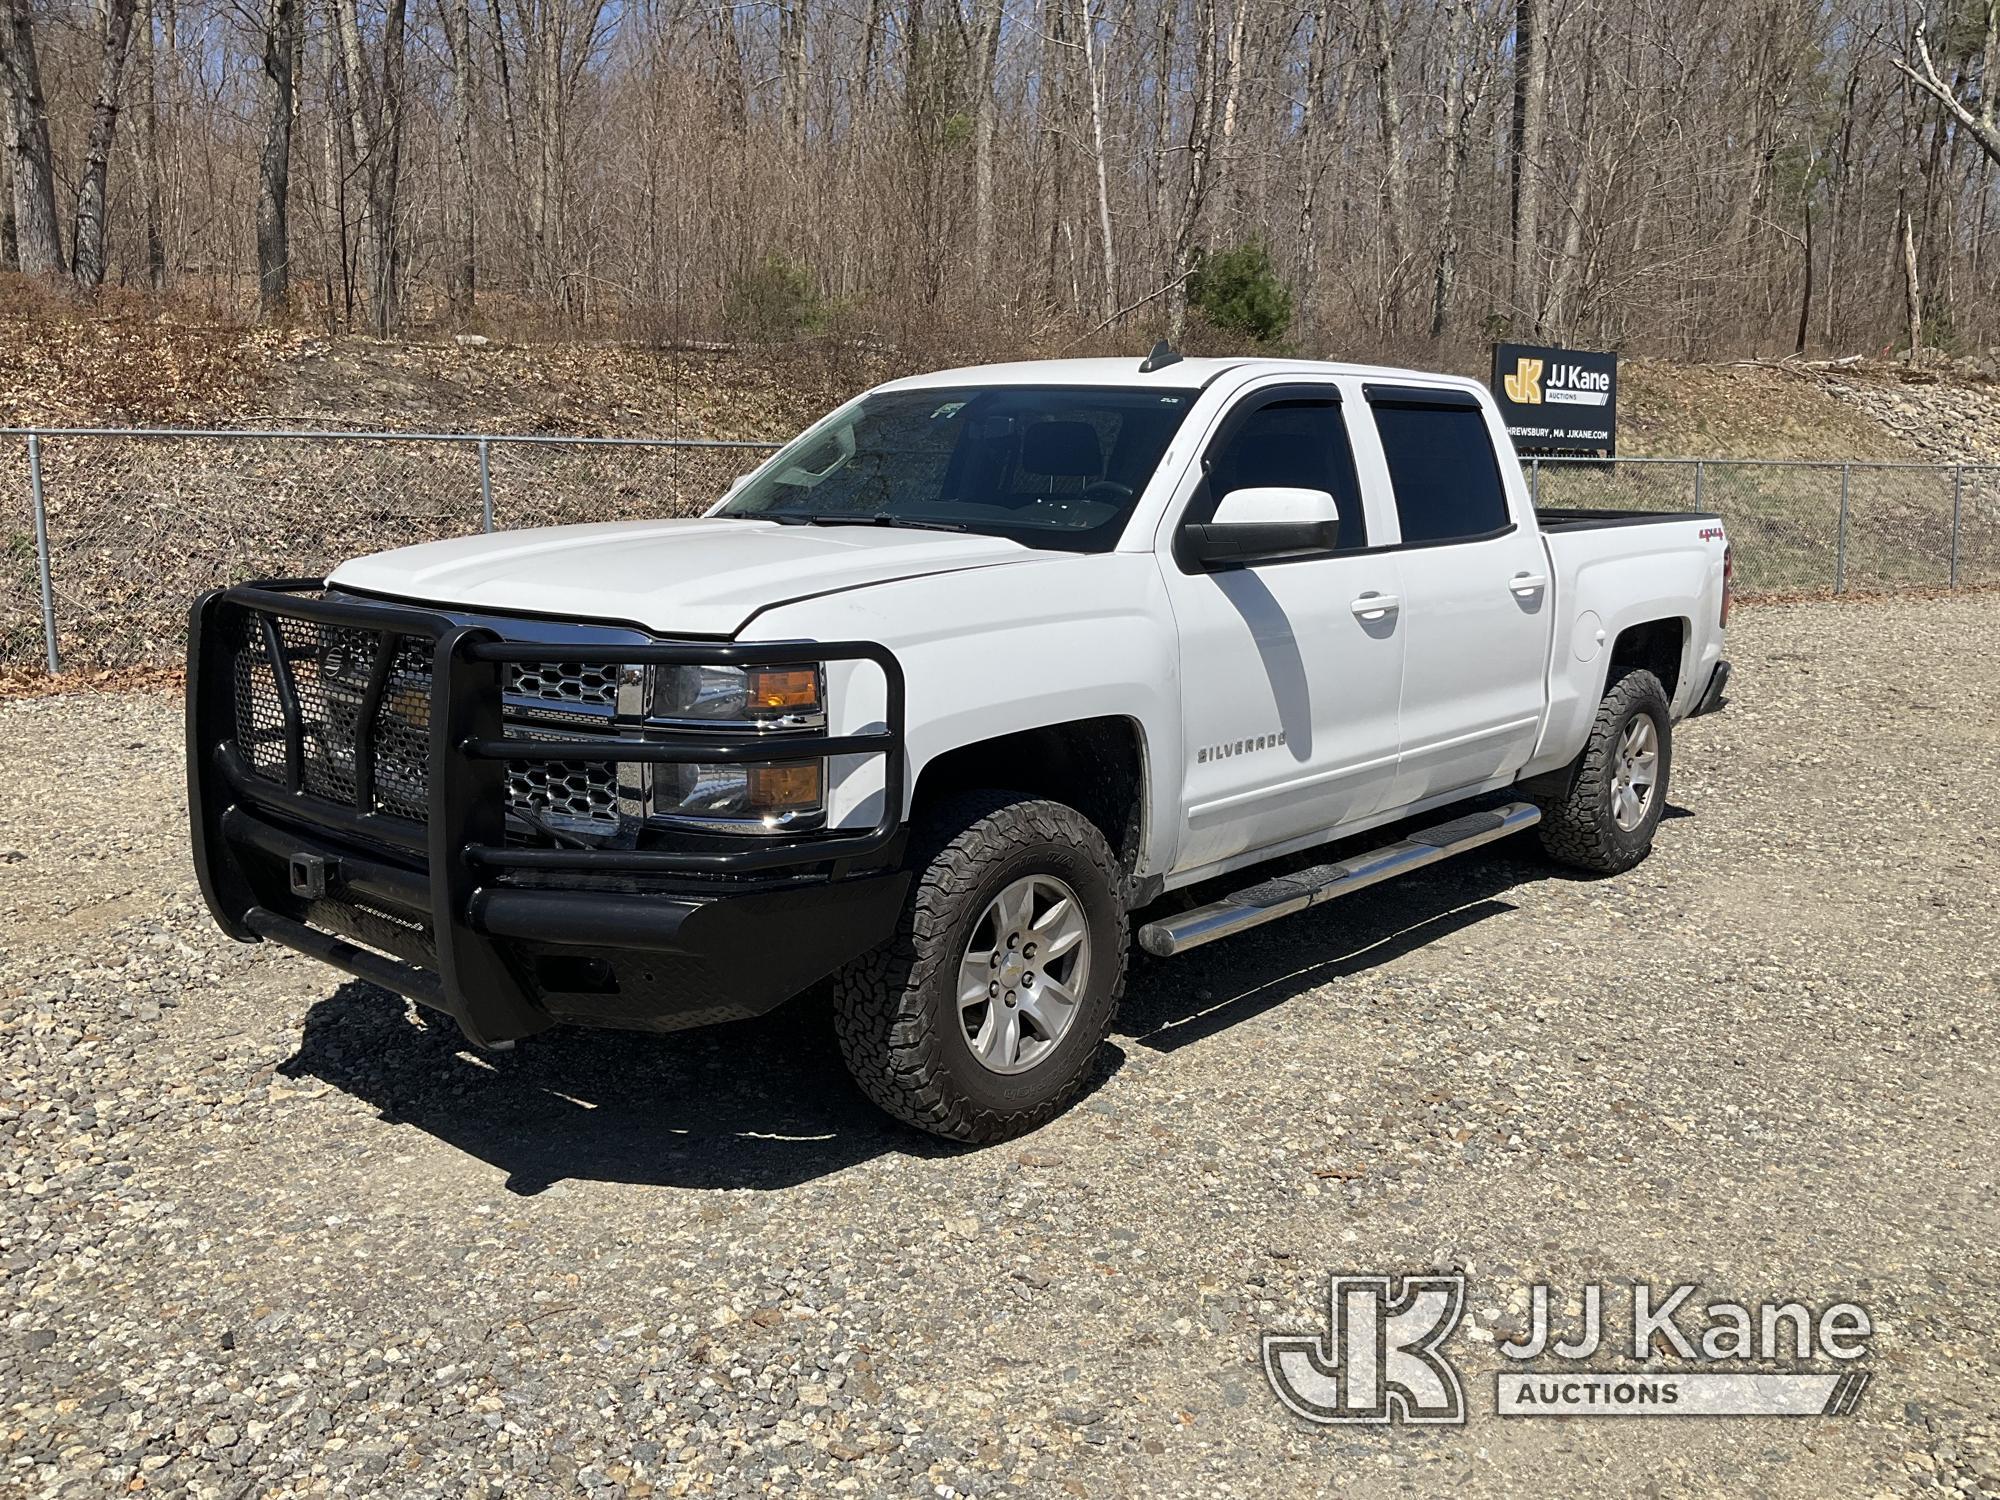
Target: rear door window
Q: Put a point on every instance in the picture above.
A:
(1441, 466)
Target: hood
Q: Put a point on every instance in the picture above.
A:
(698, 577)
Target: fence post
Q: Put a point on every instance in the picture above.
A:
(1957, 507)
(42, 550)
(1535, 483)
(1840, 537)
(485, 486)
(1698, 469)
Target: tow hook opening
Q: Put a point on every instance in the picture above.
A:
(307, 874)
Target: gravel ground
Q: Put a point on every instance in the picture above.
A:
(265, 1233)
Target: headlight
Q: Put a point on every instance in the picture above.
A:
(760, 697)
(781, 794)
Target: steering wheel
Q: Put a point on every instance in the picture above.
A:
(1107, 492)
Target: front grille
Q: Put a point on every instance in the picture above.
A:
(565, 792)
(330, 669)
(563, 682)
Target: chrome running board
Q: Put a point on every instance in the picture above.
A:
(1283, 895)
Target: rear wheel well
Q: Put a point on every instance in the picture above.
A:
(1655, 647)
(1094, 765)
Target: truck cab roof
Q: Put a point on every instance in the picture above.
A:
(1187, 374)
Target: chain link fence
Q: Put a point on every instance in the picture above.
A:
(106, 535)
(109, 535)
(1810, 527)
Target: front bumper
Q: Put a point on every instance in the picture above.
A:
(509, 937)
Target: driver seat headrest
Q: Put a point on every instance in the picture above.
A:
(1062, 450)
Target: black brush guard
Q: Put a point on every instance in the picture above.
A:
(506, 938)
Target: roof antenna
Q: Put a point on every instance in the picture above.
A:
(1159, 359)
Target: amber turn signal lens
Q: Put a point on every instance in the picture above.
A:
(785, 788)
(785, 689)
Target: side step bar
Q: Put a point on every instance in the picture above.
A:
(1285, 894)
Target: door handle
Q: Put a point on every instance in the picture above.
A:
(1375, 606)
(1528, 583)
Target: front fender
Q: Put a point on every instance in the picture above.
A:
(997, 651)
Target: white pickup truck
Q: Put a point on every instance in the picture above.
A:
(981, 670)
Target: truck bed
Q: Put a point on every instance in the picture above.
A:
(1577, 518)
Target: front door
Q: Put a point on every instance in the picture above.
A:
(1291, 671)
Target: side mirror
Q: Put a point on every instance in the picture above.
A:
(1264, 525)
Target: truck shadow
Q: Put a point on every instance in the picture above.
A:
(767, 1104)
(754, 1104)
(1170, 1003)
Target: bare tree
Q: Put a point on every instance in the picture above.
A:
(1459, 102)
(274, 177)
(985, 127)
(1982, 124)
(38, 241)
(1395, 174)
(146, 144)
(1200, 147)
(375, 131)
(1531, 109)
(1629, 172)
(463, 276)
(10, 246)
(1913, 293)
(92, 210)
(1087, 25)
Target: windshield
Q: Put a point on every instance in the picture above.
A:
(1050, 466)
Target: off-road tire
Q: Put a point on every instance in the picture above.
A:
(895, 1010)
(1577, 828)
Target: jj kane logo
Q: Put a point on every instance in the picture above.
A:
(1381, 1358)
(1536, 381)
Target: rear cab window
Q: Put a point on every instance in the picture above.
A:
(1442, 467)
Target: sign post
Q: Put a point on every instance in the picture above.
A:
(1557, 400)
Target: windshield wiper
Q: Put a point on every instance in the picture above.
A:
(883, 518)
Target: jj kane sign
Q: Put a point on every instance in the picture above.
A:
(1557, 400)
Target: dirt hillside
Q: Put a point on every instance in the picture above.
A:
(130, 364)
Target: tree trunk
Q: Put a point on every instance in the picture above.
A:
(1232, 95)
(375, 125)
(1309, 168)
(545, 212)
(1531, 109)
(1163, 131)
(274, 177)
(1913, 295)
(146, 145)
(1806, 296)
(1395, 177)
(10, 245)
(792, 61)
(985, 126)
(384, 177)
(38, 240)
(87, 236)
(1089, 25)
(735, 90)
(463, 274)
(1457, 111)
(1201, 142)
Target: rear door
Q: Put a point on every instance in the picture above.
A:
(1475, 583)
(1291, 676)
